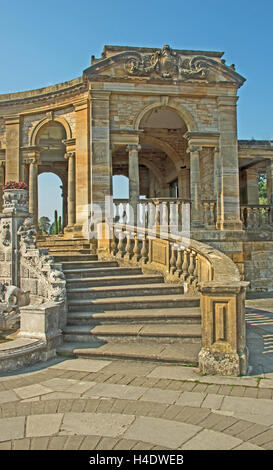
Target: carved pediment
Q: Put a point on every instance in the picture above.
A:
(164, 63)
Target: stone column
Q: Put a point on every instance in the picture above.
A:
(195, 190)
(217, 186)
(13, 148)
(184, 183)
(71, 212)
(101, 155)
(230, 197)
(82, 168)
(2, 182)
(33, 190)
(133, 150)
(252, 186)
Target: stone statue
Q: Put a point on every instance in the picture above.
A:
(11, 299)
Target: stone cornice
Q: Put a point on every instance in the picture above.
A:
(52, 92)
(203, 139)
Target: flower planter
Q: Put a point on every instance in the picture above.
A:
(16, 199)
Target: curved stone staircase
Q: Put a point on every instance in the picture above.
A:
(120, 312)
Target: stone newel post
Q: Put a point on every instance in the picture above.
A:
(15, 210)
(224, 349)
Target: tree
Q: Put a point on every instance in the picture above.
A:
(262, 188)
(44, 224)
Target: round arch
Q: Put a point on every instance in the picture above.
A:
(165, 147)
(43, 122)
(184, 114)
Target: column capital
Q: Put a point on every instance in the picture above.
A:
(69, 155)
(133, 147)
(194, 148)
(31, 154)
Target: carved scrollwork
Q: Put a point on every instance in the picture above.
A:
(166, 63)
(5, 234)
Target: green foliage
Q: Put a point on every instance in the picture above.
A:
(44, 224)
(56, 223)
(262, 189)
(60, 224)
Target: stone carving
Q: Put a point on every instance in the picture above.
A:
(167, 64)
(15, 199)
(11, 299)
(5, 234)
(27, 233)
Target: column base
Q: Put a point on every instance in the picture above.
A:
(223, 363)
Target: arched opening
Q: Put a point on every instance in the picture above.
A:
(49, 201)
(53, 172)
(164, 146)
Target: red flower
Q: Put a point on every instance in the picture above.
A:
(15, 185)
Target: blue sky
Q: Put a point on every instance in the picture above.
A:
(49, 42)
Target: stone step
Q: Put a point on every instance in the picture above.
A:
(74, 258)
(86, 271)
(126, 290)
(138, 332)
(69, 249)
(178, 353)
(133, 302)
(189, 315)
(113, 281)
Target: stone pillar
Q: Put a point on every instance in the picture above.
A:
(224, 350)
(71, 209)
(82, 168)
(101, 155)
(2, 182)
(133, 150)
(13, 148)
(252, 186)
(195, 190)
(217, 186)
(184, 183)
(33, 190)
(30, 159)
(230, 197)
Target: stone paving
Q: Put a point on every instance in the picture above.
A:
(99, 404)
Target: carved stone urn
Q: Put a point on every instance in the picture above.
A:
(15, 197)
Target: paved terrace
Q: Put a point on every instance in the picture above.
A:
(99, 404)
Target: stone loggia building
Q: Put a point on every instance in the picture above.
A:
(166, 119)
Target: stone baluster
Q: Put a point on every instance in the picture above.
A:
(120, 252)
(173, 217)
(179, 262)
(206, 213)
(165, 216)
(124, 213)
(151, 215)
(185, 266)
(144, 250)
(157, 216)
(129, 246)
(173, 259)
(249, 214)
(191, 267)
(114, 245)
(136, 251)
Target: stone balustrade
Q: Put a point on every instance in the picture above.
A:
(256, 216)
(204, 271)
(171, 214)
